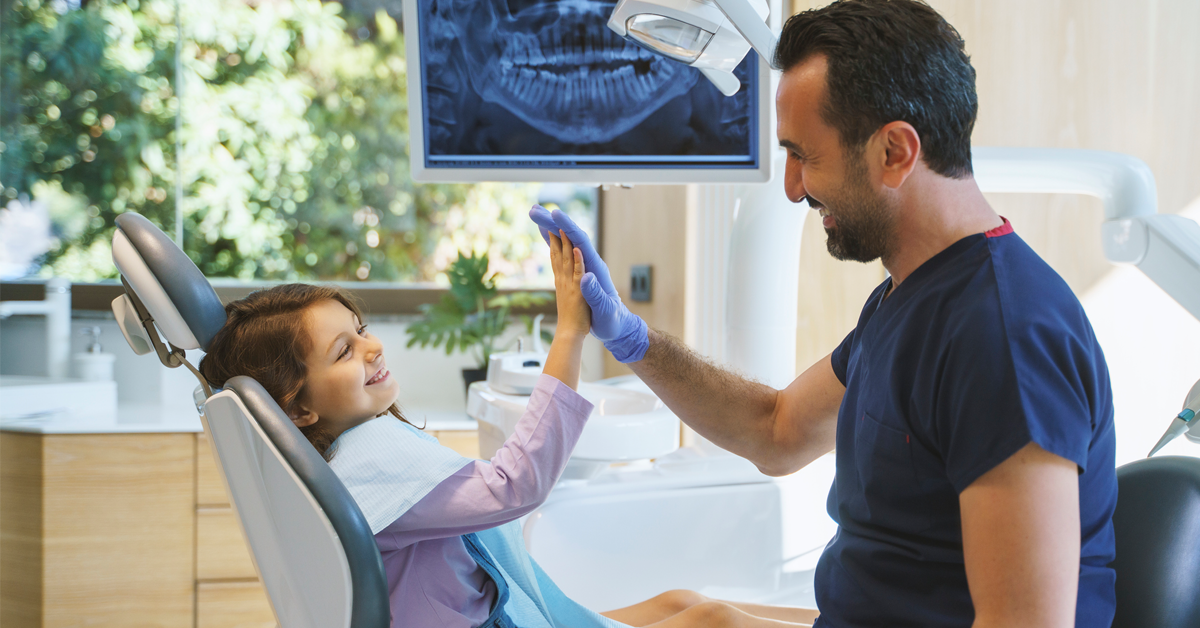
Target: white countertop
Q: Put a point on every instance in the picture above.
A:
(152, 418)
(130, 419)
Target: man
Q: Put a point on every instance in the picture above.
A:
(970, 408)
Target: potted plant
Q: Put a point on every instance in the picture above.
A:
(472, 316)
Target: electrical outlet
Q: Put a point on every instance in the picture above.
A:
(641, 280)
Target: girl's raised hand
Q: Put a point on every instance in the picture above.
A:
(574, 315)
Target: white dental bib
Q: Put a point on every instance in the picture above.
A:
(388, 466)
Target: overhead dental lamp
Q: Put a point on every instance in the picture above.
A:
(712, 36)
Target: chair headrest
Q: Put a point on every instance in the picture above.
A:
(182, 302)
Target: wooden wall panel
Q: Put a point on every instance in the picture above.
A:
(20, 530)
(646, 225)
(119, 536)
(1096, 74)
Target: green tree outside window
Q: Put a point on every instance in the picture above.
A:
(294, 135)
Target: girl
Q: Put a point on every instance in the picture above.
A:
(440, 519)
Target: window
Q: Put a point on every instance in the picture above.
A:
(270, 137)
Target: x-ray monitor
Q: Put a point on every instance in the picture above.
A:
(543, 90)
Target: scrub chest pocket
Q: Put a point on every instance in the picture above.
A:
(883, 458)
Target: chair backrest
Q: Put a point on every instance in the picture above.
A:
(311, 544)
(1157, 526)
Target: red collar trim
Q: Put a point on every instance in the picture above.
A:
(1003, 229)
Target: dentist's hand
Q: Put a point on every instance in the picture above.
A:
(553, 222)
(624, 333)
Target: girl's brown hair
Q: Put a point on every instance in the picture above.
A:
(265, 337)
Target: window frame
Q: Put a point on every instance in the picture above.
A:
(379, 299)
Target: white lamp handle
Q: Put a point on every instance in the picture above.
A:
(752, 26)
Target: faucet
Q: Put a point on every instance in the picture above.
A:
(56, 307)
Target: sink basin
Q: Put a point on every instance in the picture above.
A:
(626, 425)
(31, 399)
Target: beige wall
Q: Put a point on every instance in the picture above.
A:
(1114, 75)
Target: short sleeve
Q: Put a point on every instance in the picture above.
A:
(840, 358)
(999, 391)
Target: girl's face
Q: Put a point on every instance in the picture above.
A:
(348, 381)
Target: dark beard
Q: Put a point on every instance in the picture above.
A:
(865, 222)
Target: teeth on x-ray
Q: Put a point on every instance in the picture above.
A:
(581, 83)
(562, 71)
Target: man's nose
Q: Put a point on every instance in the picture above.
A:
(793, 182)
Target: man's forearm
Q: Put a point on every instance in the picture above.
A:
(737, 414)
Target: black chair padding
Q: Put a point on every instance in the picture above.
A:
(186, 286)
(369, 592)
(1157, 525)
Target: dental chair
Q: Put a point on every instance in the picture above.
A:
(1157, 525)
(311, 545)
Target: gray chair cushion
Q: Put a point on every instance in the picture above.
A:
(1157, 524)
(186, 286)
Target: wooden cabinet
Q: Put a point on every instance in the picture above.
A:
(233, 605)
(221, 552)
(117, 530)
(464, 442)
(97, 530)
(228, 592)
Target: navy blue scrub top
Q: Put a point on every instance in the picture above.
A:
(982, 350)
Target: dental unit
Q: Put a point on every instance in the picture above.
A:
(517, 373)
(625, 426)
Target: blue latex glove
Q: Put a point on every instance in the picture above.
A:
(623, 333)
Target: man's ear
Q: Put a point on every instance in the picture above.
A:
(901, 152)
(302, 417)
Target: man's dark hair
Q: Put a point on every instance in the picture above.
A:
(890, 60)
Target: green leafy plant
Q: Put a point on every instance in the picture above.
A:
(473, 315)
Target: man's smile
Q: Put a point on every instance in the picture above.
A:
(827, 220)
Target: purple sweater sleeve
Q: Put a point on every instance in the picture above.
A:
(517, 480)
